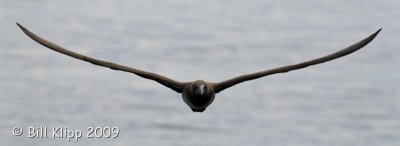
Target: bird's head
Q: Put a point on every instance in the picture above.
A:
(199, 88)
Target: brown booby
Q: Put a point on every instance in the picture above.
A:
(199, 94)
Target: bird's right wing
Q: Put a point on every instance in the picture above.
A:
(174, 85)
(229, 83)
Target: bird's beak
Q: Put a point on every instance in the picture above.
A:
(200, 90)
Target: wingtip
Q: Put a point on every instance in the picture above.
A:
(379, 30)
(372, 36)
(20, 26)
(26, 31)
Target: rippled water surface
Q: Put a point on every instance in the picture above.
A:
(354, 100)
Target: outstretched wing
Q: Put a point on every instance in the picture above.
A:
(174, 85)
(228, 83)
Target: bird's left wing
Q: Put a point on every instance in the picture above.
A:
(229, 83)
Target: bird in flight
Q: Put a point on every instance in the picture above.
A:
(199, 94)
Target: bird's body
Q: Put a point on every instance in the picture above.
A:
(199, 94)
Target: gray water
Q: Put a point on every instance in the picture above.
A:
(352, 101)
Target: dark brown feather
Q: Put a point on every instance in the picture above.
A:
(229, 83)
(174, 85)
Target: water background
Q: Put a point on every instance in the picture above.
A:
(354, 100)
